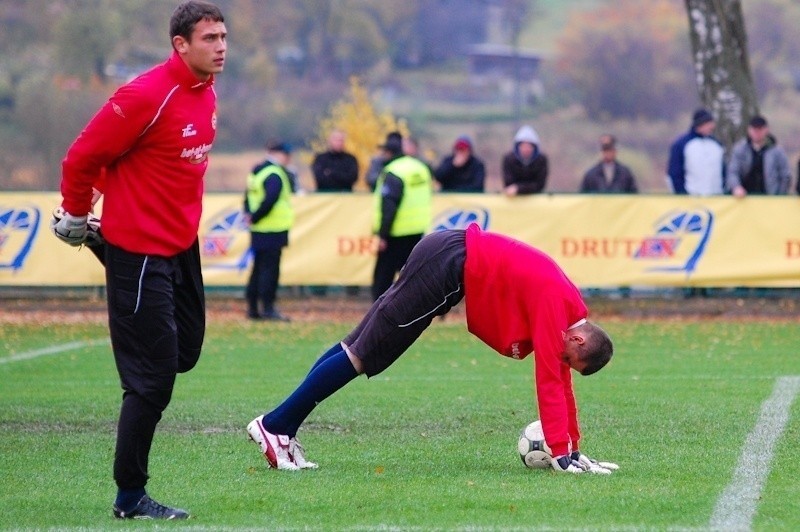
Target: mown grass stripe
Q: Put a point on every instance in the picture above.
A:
(52, 350)
(737, 505)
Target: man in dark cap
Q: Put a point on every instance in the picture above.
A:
(696, 159)
(402, 210)
(268, 203)
(461, 171)
(758, 165)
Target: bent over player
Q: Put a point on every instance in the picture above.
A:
(518, 301)
(152, 138)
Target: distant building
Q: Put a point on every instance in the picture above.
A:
(498, 60)
(508, 68)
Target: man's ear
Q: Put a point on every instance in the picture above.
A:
(180, 44)
(577, 338)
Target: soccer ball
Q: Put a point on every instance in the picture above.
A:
(533, 450)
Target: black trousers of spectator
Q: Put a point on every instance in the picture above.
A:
(156, 318)
(263, 283)
(390, 261)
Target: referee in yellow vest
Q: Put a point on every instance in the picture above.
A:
(402, 210)
(268, 204)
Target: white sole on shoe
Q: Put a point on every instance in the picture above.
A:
(260, 436)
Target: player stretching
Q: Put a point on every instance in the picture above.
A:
(517, 300)
(152, 138)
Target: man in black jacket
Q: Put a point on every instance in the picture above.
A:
(335, 170)
(462, 171)
(609, 175)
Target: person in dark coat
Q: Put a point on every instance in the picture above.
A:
(335, 170)
(462, 171)
(525, 167)
(609, 175)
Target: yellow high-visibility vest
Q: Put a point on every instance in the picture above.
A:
(281, 216)
(414, 212)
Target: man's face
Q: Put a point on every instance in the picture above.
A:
(525, 149)
(757, 134)
(706, 129)
(608, 154)
(336, 141)
(204, 54)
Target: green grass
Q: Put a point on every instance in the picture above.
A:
(429, 444)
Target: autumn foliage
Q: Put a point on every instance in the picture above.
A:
(364, 126)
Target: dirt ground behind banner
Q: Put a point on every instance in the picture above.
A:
(301, 307)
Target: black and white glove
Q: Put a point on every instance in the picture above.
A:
(565, 464)
(591, 465)
(76, 230)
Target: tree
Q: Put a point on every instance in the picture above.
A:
(721, 64)
(364, 126)
(84, 39)
(624, 70)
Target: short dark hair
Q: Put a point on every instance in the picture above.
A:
(188, 14)
(597, 349)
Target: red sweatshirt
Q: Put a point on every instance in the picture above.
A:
(152, 137)
(519, 300)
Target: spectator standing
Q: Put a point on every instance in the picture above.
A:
(403, 197)
(461, 171)
(757, 164)
(152, 137)
(696, 159)
(335, 170)
(609, 175)
(525, 168)
(269, 206)
(379, 160)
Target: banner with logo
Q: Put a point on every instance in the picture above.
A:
(600, 241)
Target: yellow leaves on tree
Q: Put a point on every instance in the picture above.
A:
(363, 125)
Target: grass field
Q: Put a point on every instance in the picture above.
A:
(430, 444)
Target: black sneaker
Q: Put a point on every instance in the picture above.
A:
(150, 509)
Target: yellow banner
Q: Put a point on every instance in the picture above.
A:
(601, 241)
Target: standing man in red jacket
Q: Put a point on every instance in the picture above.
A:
(518, 301)
(152, 138)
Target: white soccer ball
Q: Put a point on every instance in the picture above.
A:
(533, 450)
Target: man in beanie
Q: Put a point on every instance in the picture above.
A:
(758, 165)
(462, 171)
(402, 211)
(696, 159)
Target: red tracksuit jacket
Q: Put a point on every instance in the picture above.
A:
(152, 137)
(519, 300)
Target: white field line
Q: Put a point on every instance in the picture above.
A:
(52, 350)
(737, 505)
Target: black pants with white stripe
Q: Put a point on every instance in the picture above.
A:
(430, 284)
(156, 318)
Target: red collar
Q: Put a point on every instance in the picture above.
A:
(185, 77)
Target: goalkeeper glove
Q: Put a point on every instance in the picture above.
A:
(76, 230)
(565, 464)
(593, 466)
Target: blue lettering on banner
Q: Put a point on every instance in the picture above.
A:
(221, 230)
(678, 242)
(18, 229)
(460, 219)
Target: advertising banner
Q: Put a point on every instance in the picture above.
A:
(599, 240)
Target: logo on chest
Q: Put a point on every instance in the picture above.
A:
(189, 131)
